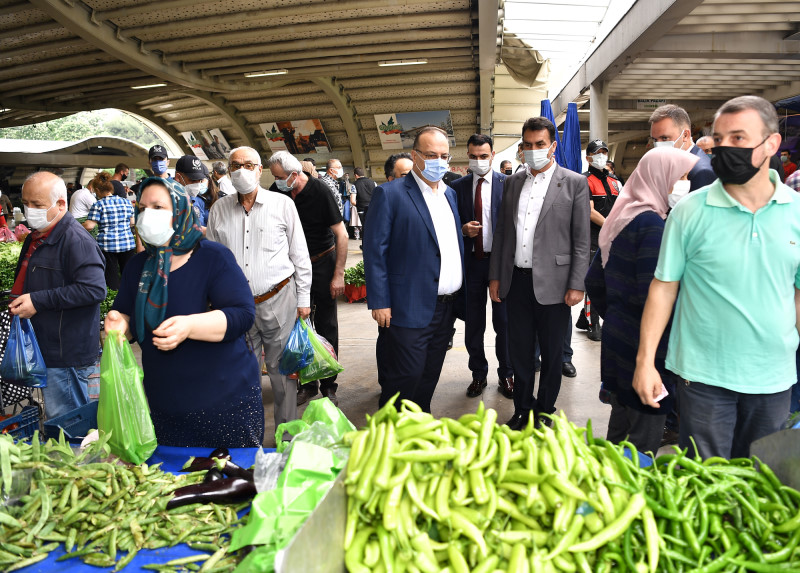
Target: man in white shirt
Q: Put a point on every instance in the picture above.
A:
(413, 261)
(540, 255)
(263, 231)
(220, 175)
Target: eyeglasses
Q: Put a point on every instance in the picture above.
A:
(444, 157)
(236, 166)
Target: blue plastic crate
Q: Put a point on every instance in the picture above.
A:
(27, 422)
(76, 423)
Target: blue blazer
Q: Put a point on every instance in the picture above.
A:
(401, 253)
(466, 207)
(701, 174)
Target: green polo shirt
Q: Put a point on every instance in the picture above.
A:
(734, 323)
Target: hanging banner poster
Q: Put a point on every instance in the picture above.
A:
(195, 141)
(297, 137)
(398, 130)
(219, 145)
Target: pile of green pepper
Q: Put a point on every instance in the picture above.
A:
(101, 512)
(469, 495)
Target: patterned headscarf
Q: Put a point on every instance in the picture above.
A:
(151, 298)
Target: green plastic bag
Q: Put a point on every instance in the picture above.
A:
(123, 409)
(324, 364)
(321, 410)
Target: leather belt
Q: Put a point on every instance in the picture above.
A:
(269, 294)
(446, 297)
(523, 270)
(318, 256)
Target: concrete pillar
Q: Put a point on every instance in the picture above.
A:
(598, 110)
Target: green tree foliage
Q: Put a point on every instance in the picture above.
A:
(85, 124)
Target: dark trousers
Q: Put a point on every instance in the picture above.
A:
(324, 313)
(723, 422)
(410, 359)
(641, 429)
(475, 323)
(567, 357)
(528, 321)
(115, 262)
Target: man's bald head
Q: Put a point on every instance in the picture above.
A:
(45, 190)
(49, 184)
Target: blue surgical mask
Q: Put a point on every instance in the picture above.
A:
(435, 169)
(283, 184)
(159, 166)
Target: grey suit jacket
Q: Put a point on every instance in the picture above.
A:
(561, 241)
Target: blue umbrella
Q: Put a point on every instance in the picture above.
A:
(547, 111)
(571, 139)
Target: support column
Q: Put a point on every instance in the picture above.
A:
(598, 110)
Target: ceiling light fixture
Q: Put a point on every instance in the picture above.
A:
(266, 73)
(402, 62)
(148, 86)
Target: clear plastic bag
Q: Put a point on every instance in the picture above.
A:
(268, 467)
(23, 363)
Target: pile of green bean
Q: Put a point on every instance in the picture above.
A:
(101, 512)
(469, 495)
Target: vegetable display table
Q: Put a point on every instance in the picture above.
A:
(172, 459)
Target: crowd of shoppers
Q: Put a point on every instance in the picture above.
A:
(691, 266)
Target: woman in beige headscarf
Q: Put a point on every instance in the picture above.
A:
(617, 283)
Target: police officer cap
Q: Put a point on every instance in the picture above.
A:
(596, 145)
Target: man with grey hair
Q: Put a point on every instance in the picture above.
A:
(326, 238)
(334, 172)
(730, 259)
(670, 126)
(219, 171)
(264, 233)
(59, 285)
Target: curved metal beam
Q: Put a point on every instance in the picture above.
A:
(80, 20)
(348, 114)
(238, 122)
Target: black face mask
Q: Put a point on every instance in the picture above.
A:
(508, 172)
(123, 177)
(734, 165)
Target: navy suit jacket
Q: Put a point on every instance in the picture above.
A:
(701, 174)
(466, 207)
(401, 254)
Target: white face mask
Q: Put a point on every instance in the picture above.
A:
(537, 158)
(155, 226)
(336, 173)
(37, 218)
(244, 180)
(669, 143)
(480, 166)
(195, 189)
(599, 161)
(679, 191)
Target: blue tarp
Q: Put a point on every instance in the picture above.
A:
(792, 103)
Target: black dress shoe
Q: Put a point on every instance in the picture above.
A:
(518, 421)
(582, 323)
(568, 370)
(543, 421)
(330, 394)
(305, 393)
(476, 387)
(506, 387)
(595, 333)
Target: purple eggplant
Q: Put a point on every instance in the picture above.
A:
(226, 490)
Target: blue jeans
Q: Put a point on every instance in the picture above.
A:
(67, 389)
(723, 422)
